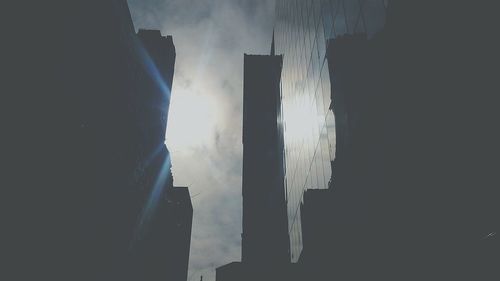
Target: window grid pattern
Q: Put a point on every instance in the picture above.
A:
(302, 29)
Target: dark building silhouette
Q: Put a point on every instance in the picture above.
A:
(99, 172)
(159, 58)
(158, 53)
(265, 235)
(265, 241)
(247, 272)
(163, 252)
(316, 233)
(230, 271)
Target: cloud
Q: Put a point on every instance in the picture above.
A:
(210, 37)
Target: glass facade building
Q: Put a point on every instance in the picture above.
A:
(302, 30)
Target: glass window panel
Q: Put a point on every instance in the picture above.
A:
(339, 19)
(320, 42)
(327, 17)
(326, 86)
(316, 8)
(299, 232)
(315, 57)
(308, 182)
(360, 26)
(330, 126)
(314, 172)
(315, 123)
(319, 168)
(319, 105)
(352, 14)
(311, 25)
(313, 175)
(321, 114)
(325, 154)
(306, 158)
(301, 32)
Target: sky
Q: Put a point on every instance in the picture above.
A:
(205, 119)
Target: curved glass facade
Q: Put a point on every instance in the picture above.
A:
(302, 30)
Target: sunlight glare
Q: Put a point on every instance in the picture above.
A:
(191, 121)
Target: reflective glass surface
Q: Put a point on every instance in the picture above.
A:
(302, 29)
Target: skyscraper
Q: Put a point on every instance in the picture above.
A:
(405, 198)
(265, 242)
(302, 30)
(265, 235)
(104, 191)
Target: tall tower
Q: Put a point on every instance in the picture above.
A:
(265, 239)
(301, 33)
